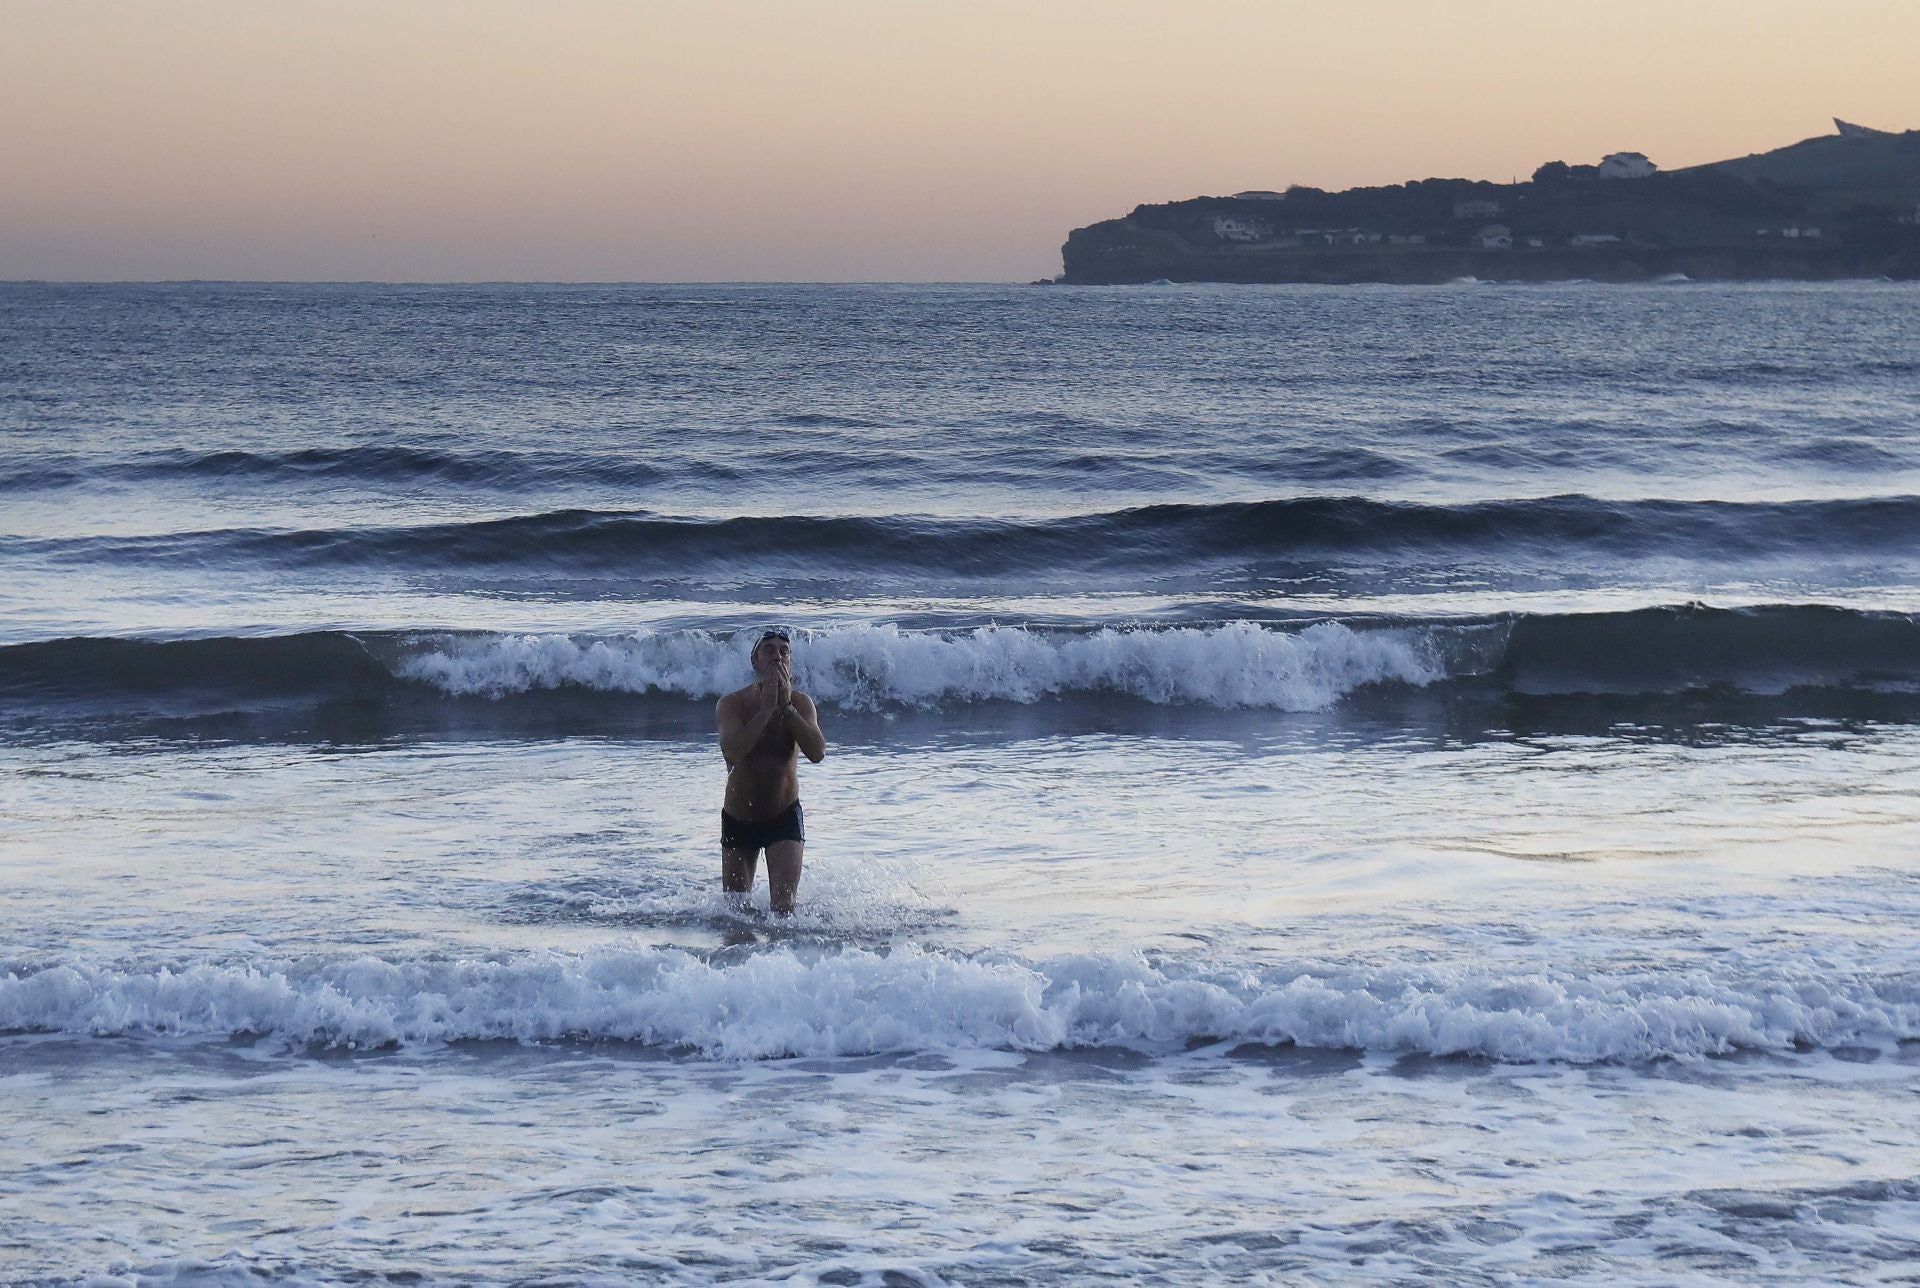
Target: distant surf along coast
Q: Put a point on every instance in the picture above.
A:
(1844, 205)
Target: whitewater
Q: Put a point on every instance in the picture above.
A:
(1326, 785)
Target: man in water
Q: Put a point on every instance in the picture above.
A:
(763, 728)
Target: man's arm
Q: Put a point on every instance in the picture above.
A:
(739, 732)
(803, 722)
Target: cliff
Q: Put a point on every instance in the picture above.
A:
(1842, 206)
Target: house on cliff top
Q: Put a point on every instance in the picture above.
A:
(1626, 165)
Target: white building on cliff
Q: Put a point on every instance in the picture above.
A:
(1627, 165)
(1241, 230)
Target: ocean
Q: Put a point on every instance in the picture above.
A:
(1326, 785)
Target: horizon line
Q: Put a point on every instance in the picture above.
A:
(516, 281)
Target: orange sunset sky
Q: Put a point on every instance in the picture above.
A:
(821, 140)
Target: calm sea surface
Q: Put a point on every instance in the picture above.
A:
(1327, 785)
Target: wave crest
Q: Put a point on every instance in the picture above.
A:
(1155, 539)
(1764, 651)
(1235, 665)
(781, 1003)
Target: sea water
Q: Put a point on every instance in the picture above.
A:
(1327, 785)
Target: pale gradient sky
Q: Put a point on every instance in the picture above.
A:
(821, 140)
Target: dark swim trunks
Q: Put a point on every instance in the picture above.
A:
(789, 825)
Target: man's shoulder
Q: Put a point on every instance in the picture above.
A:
(737, 697)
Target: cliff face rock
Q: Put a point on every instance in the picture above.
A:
(1836, 207)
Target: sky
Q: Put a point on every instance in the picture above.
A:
(836, 140)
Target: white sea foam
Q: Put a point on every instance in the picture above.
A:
(779, 1003)
(1239, 664)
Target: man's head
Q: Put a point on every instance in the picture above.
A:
(772, 652)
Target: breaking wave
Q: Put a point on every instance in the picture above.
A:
(1234, 665)
(855, 1002)
(1290, 666)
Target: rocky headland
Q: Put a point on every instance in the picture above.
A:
(1845, 205)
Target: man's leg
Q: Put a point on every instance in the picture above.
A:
(736, 869)
(783, 873)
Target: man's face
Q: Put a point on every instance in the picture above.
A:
(772, 657)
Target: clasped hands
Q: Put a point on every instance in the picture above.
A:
(777, 691)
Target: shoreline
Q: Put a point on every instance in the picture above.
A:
(1151, 259)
